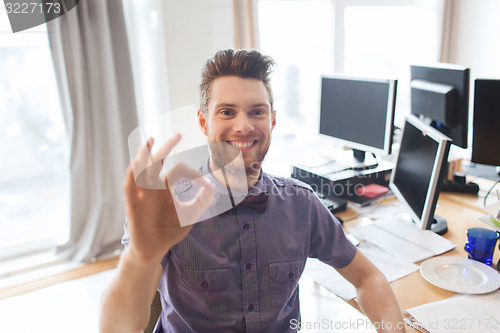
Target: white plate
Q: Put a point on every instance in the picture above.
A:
(460, 275)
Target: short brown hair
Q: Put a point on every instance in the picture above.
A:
(241, 63)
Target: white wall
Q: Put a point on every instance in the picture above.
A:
(475, 40)
(194, 30)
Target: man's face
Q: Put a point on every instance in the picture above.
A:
(239, 119)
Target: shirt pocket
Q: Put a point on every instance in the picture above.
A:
(284, 281)
(209, 286)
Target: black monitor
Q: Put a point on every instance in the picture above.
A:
(440, 95)
(417, 176)
(359, 113)
(486, 126)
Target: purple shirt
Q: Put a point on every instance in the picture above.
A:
(239, 271)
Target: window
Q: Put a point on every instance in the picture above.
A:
(378, 38)
(299, 36)
(34, 176)
(384, 40)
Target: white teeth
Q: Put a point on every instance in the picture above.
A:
(241, 144)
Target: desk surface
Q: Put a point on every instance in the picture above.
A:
(461, 211)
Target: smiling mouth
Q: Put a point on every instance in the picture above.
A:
(242, 144)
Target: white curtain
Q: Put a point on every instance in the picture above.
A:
(447, 26)
(92, 64)
(246, 34)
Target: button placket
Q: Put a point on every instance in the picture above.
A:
(249, 269)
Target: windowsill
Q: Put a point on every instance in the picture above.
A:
(42, 269)
(31, 267)
(26, 263)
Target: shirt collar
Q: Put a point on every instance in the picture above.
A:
(258, 188)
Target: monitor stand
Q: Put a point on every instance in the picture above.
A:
(439, 225)
(361, 161)
(339, 161)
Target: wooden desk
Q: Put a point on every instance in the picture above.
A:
(414, 290)
(461, 211)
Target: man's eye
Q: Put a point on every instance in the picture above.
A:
(259, 112)
(226, 112)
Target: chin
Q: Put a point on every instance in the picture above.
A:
(253, 165)
(252, 168)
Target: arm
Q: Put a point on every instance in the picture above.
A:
(156, 222)
(126, 303)
(374, 293)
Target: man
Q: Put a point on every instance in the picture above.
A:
(238, 271)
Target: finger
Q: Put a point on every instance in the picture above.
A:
(203, 181)
(204, 197)
(147, 174)
(190, 212)
(181, 171)
(129, 187)
(146, 171)
(154, 169)
(143, 158)
(166, 148)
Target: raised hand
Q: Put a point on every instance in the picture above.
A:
(157, 220)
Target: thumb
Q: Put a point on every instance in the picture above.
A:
(190, 212)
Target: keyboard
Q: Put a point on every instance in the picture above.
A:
(334, 205)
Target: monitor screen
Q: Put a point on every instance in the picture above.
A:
(486, 122)
(440, 94)
(419, 168)
(358, 112)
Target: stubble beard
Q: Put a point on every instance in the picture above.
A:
(226, 158)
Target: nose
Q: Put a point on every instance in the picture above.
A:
(243, 124)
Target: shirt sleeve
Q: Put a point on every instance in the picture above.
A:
(328, 242)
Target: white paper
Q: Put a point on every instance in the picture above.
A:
(329, 278)
(387, 206)
(391, 243)
(493, 211)
(426, 239)
(392, 267)
(461, 313)
(489, 221)
(402, 239)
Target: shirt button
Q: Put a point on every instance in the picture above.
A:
(290, 275)
(250, 307)
(246, 226)
(248, 266)
(204, 284)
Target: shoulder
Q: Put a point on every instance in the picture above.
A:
(291, 183)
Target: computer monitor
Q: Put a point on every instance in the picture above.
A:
(440, 95)
(359, 113)
(486, 125)
(418, 173)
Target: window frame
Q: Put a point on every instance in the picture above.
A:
(39, 241)
(339, 6)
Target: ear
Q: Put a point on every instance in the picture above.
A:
(202, 122)
(273, 119)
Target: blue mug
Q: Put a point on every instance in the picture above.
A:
(481, 244)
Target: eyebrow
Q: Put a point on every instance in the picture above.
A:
(229, 105)
(225, 105)
(260, 105)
